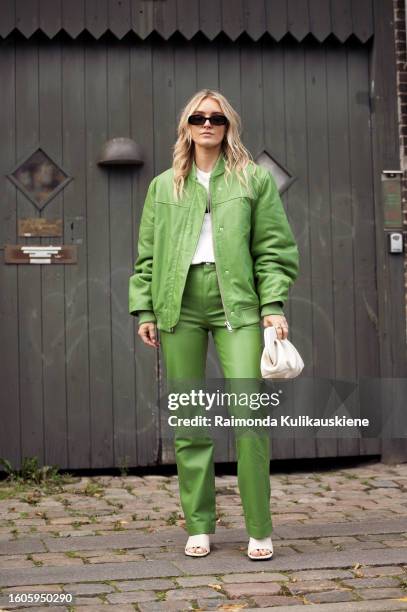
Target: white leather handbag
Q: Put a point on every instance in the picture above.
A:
(280, 358)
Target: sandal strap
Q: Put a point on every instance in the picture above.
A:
(201, 539)
(264, 543)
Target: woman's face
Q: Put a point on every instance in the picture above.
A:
(207, 135)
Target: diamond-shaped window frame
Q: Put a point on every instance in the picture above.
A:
(292, 178)
(21, 187)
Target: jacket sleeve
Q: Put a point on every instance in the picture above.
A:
(272, 308)
(140, 298)
(273, 246)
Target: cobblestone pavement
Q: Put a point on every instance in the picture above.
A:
(340, 543)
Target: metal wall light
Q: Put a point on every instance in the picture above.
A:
(121, 151)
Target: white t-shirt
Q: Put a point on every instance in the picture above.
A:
(204, 248)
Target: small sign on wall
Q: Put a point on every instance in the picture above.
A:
(391, 192)
(39, 227)
(40, 254)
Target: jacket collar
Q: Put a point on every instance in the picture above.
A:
(218, 168)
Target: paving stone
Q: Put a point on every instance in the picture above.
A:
(321, 574)
(22, 546)
(309, 586)
(192, 593)
(165, 606)
(87, 601)
(193, 581)
(251, 588)
(50, 559)
(381, 581)
(98, 572)
(259, 577)
(275, 601)
(331, 596)
(116, 558)
(88, 588)
(15, 561)
(381, 593)
(384, 605)
(155, 584)
(382, 570)
(101, 542)
(46, 609)
(37, 588)
(397, 525)
(220, 604)
(102, 608)
(131, 597)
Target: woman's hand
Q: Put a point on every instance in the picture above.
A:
(148, 333)
(279, 322)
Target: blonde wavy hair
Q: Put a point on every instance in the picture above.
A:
(237, 157)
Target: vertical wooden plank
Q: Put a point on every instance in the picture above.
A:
(185, 54)
(29, 276)
(298, 18)
(366, 306)
(164, 19)
(210, 17)
(274, 102)
(229, 73)
(73, 17)
(52, 277)
(165, 123)
(188, 17)
(27, 16)
(76, 277)
(363, 211)
(362, 19)
(207, 65)
(298, 207)
(390, 268)
(277, 18)
(319, 18)
(119, 17)
(320, 248)
(50, 16)
(164, 105)
(251, 88)
(120, 195)
(254, 18)
(142, 17)
(7, 17)
(232, 18)
(98, 242)
(10, 440)
(96, 17)
(146, 370)
(340, 177)
(341, 18)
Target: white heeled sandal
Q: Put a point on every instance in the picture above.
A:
(198, 541)
(254, 544)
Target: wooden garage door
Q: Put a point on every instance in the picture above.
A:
(78, 387)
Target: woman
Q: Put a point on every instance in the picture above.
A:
(215, 252)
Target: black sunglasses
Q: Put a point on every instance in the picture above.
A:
(213, 120)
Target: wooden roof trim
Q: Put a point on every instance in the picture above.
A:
(321, 18)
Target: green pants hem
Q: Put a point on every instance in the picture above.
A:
(197, 528)
(260, 532)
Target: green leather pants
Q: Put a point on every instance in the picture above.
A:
(185, 351)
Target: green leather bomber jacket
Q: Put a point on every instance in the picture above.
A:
(256, 254)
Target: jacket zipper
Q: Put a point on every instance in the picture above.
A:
(227, 323)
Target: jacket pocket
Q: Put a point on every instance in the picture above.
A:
(251, 314)
(168, 203)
